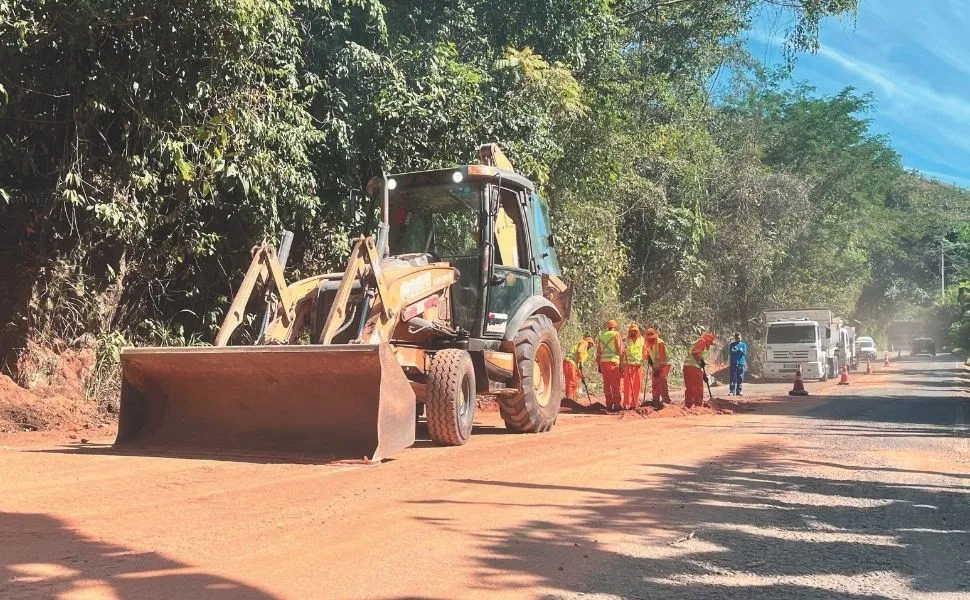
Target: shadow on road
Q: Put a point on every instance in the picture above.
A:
(42, 557)
(220, 455)
(761, 527)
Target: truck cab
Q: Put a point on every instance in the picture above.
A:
(811, 337)
(793, 343)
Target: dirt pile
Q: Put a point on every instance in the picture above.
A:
(50, 393)
(648, 411)
(675, 410)
(24, 410)
(56, 370)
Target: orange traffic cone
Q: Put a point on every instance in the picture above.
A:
(844, 380)
(868, 367)
(885, 363)
(798, 389)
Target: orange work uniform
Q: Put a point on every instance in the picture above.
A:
(656, 351)
(572, 366)
(632, 368)
(609, 349)
(694, 371)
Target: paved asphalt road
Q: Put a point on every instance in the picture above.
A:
(854, 492)
(867, 498)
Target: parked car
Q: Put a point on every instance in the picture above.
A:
(924, 345)
(866, 348)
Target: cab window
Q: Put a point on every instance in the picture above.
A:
(510, 249)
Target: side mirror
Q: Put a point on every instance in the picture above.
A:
(551, 241)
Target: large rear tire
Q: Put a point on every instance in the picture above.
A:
(538, 377)
(450, 401)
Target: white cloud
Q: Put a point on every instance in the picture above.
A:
(947, 178)
(902, 89)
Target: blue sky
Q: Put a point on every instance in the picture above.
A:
(914, 56)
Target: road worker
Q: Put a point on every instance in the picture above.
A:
(632, 367)
(694, 375)
(572, 365)
(656, 352)
(609, 351)
(738, 352)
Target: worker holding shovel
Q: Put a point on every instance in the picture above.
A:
(572, 365)
(694, 375)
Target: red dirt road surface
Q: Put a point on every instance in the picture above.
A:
(861, 493)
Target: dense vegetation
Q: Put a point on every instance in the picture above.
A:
(145, 146)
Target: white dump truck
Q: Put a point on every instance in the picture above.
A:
(812, 338)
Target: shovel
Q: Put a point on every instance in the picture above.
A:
(589, 400)
(707, 380)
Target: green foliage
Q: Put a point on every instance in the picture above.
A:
(172, 136)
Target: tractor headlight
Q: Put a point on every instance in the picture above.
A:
(391, 184)
(457, 177)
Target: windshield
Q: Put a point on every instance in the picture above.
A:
(791, 334)
(442, 220)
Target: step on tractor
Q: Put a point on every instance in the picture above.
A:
(459, 293)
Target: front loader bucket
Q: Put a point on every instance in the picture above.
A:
(346, 401)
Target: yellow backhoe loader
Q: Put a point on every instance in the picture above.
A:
(459, 293)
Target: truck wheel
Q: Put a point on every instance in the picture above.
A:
(538, 377)
(450, 401)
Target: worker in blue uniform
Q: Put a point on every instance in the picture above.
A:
(738, 351)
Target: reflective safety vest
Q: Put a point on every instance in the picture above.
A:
(610, 346)
(699, 349)
(580, 353)
(658, 353)
(634, 351)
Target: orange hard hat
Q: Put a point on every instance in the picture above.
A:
(611, 324)
(634, 327)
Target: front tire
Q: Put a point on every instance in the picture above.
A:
(538, 377)
(450, 401)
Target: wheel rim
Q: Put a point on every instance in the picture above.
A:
(542, 374)
(465, 407)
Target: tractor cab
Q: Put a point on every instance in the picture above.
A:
(490, 224)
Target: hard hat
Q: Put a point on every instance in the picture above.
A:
(634, 327)
(611, 324)
(588, 338)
